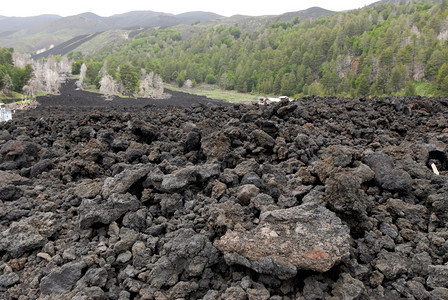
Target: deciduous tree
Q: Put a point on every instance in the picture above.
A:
(129, 81)
(108, 87)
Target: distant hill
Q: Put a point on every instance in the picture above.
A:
(97, 33)
(29, 34)
(385, 49)
(310, 13)
(13, 24)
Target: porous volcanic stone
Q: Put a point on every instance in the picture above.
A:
(300, 238)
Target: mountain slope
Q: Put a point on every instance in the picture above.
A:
(13, 24)
(33, 33)
(377, 50)
(144, 22)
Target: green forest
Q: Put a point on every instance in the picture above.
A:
(12, 78)
(381, 50)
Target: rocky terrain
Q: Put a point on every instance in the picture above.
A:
(320, 198)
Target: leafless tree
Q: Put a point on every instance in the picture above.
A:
(82, 76)
(188, 84)
(52, 81)
(46, 78)
(108, 87)
(65, 66)
(21, 59)
(146, 85)
(29, 89)
(103, 70)
(158, 86)
(151, 86)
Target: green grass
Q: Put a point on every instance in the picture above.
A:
(11, 95)
(22, 102)
(214, 92)
(425, 88)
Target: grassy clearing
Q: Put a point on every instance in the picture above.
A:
(11, 95)
(22, 102)
(214, 92)
(426, 88)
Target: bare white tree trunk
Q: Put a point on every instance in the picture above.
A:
(158, 86)
(52, 82)
(82, 76)
(151, 86)
(108, 86)
(146, 85)
(65, 65)
(46, 78)
(21, 59)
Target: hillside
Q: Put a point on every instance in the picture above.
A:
(35, 33)
(378, 50)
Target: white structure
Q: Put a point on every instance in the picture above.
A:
(5, 114)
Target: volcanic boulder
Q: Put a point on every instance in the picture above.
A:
(307, 237)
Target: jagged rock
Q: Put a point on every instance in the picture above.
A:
(251, 178)
(437, 276)
(11, 150)
(314, 288)
(234, 293)
(21, 237)
(187, 253)
(92, 151)
(133, 154)
(263, 139)
(386, 175)
(348, 287)
(192, 141)
(245, 167)
(258, 294)
(227, 215)
(189, 175)
(306, 158)
(7, 280)
(141, 255)
(416, 214)
(218, 189)
(211, 295)
(124, 257)
(300, 238)
(5, 135)
(62, 280)
(10, 186)
(7, 178)
(333, 159)
(215, 146)
(246, 193)
(122, 182)
(88, 293)
(439, 293)
(169, 203)
(88, 188)
(95, 277)
(391, 264)
(344, 193)
(183, 289)
(105, 211)
(40, 167)
(417, 289)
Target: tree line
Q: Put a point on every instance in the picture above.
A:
(12, 77)
(385, 49)
(29, 78)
